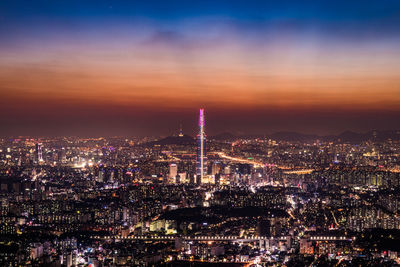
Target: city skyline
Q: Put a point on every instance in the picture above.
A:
(200, 133)
(117, 68)
(240, 201)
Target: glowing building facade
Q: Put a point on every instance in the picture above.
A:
(39, 153)
(201, 148)
(173, 170)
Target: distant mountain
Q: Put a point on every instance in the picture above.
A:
(352, 137)
(384, 135)
(293, 136)
(174, 140)
(224, 136)
(346, 137)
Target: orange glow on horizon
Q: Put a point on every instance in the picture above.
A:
(217, 75)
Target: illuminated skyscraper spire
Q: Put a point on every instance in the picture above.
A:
(201, 148)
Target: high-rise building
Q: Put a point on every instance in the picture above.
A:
(216, 168)
(100, 177)
(39, 153)
(173, 170)
(201, 148)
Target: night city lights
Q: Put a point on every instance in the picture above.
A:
(199, 133)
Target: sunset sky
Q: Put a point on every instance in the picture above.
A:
(143, 67)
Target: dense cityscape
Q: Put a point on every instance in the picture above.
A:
(287, 199)
(237, 133)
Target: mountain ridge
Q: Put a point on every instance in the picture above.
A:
(346, 136)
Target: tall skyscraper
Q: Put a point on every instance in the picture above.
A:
(216, 168)
(173, 170)
(201, 148)
(39, 153)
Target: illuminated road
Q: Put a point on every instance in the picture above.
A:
(261, 164)
(291, 214)
(255, 163)
(336, 222)
(303, 171)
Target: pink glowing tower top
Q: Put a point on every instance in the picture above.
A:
(201, 118)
